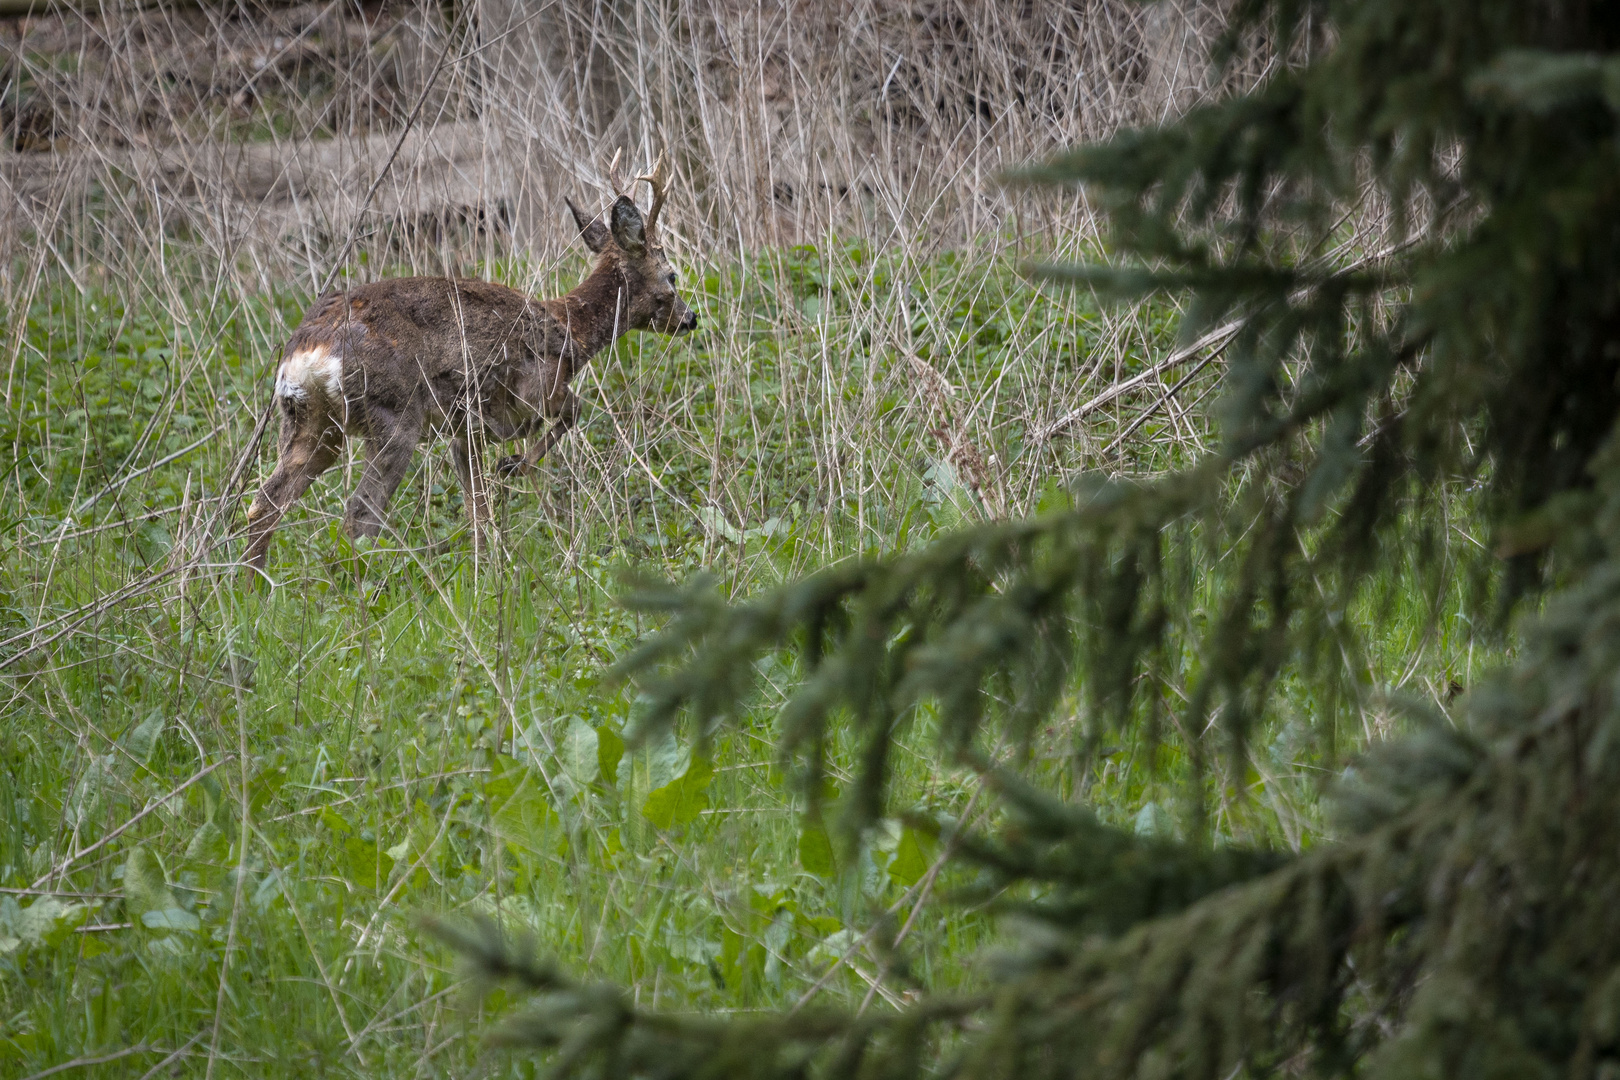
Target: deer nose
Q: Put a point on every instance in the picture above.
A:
(690, 322)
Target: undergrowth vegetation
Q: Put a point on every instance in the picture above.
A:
(228, 807)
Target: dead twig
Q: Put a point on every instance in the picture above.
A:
(1217, 340)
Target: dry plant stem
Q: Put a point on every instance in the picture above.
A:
(920, 890)
(121, 482)
(383, 1020)
(12, 9)
(926, 888)
(1168, 396)
(953, 438)
(244, 822)
(1217, 339)
(326, 979)
(61, 868)
(174, 1055)
(102, 1059)
(80, 616)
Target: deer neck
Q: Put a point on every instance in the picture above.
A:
(595, 311)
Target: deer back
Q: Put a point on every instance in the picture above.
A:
(457, 350)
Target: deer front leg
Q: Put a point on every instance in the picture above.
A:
(467, 455)
(565, 412)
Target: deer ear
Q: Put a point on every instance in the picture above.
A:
(591, 229)
(629, 230)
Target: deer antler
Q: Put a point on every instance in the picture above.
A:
(658, 180)
(615, 177)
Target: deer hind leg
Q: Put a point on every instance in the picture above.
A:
(310, 443)
(467, 455)
(565, 411)
(388, 455)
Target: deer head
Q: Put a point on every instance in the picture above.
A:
(630, 241)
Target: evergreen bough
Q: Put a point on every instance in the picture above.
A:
(1465, 921)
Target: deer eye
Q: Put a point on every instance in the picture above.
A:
(672, 277)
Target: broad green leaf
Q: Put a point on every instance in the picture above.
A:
(208, 844)
(367, 865)
(1054, 498)
(816, 850)
(609, 751)
(334, 821)
(269, 888)
(820, 924)
(885, 838)
(146, 884)
(580, 750)
(680, 801)
(170, 919)
(522, 814)
(912, 857)
(505, 774)
(693, 949)
(833, 946)
(265, 786)
(212, 795)
(86, 798)
(144, 738)
(1152, 820)
(715, 524)
(667, 760)
(47, 920)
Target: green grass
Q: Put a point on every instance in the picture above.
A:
(392, 733)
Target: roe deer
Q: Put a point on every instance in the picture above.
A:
(395, 360)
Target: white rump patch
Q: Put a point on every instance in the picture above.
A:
(317, 371)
